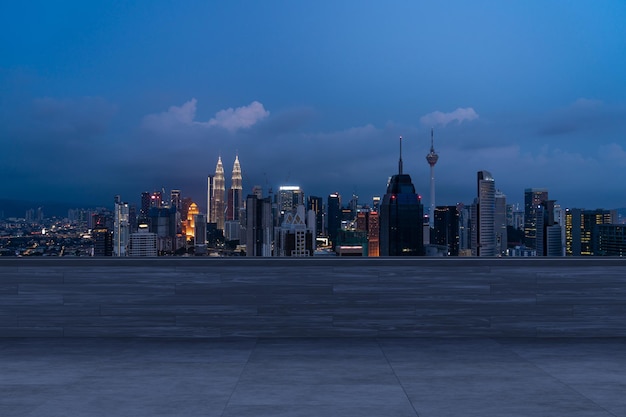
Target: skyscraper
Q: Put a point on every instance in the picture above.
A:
(432, 159)
(401, 217)
(316, 204)
(259, 226)
(235, 200)
(446, 230)
(210, 203)
(500, 223)
(219, 194)
(533, 197)
(121, 228)
(485, 215)
(333, 206)
(581, 229)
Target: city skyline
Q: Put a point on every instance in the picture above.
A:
(108, 98)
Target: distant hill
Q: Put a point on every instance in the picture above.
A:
(17, 208)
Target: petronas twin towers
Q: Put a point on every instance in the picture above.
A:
(220, 207)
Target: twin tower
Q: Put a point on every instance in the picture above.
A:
(220, 208)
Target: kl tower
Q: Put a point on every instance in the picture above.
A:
(432, 159)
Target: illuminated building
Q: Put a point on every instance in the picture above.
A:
(296, 235)
(190, 224)
(121, 228)
(143, 243)
(373, 233)
(580, 228)
(218, 195)
(289, 197)
(401, 217)
(533, 197)
(432, 159)
(175, 200)
(235, 200)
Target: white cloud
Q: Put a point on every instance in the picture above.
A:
(441, 118)
(239, 118)
(229, 119)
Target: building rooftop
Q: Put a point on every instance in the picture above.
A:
(313, 377)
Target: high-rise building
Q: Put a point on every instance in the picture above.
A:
(580, 230)
(102, 238)
(432, 159)
(533, 197)
(143, 243)
(199, 229)
(259, 226)
(485, 216)
(289, 197)
(219, 195)
(175, 199)
(316, 204)
(145, 208)
(296, 235)
(210, 199)
(235, 199)
(446, 229)
(190, 223)
(401, 217)
(333, 206)
(610, 240)
(500, 219)
(121, 228)
(373, 234)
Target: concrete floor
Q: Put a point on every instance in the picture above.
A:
(313, 377)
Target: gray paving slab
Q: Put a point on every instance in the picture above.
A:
(312, 377)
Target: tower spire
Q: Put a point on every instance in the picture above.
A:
(432, 159)
(400, 161)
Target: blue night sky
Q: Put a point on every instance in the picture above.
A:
(99, 98)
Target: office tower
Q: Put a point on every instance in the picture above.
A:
(219, 194)
(354, 205)
(102, 236)
(199, 230)
(376, 204)
(163, 222)
(465, 229)
(121, 228)
(143, 243)
(547, 242)
(210, 199)
(175, 199)
(259, 226)
(533, 197)
(333, 205)
(289, 197)
(145, 208)
(500, 218)
(610, 240)
(317, 205)
(296, 235)
(446, 229)
(132, 218)
(373, 234)
(156, 199)
(235, 199)
(580, 228)
(484, 216)
(401, 217)
(432, 159)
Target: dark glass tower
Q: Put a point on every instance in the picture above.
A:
(401, 217)
(334, 216)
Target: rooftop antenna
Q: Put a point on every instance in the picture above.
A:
(400, 161)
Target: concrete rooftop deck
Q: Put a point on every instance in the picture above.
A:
(313, 377)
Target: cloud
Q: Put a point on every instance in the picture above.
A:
(184, 116)
(239, 118)
(440, 118)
